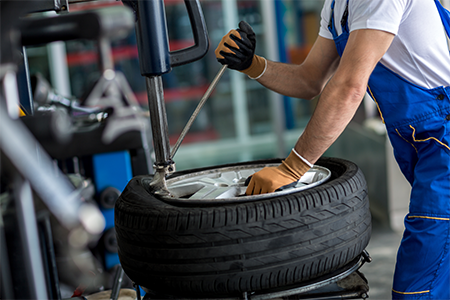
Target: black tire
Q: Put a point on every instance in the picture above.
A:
(223, 250)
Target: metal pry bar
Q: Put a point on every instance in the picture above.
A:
(197, 110)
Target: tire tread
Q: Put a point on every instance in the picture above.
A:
(168, 247)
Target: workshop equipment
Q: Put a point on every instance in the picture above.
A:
(155, 59)
(346, 283)
(108, 120)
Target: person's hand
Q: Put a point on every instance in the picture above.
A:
(270, 179)
(237, 50)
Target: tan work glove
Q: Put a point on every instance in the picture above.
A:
(237, 50)
(270, 179)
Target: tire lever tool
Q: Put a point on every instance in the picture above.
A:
(159, 180)
(197, 110)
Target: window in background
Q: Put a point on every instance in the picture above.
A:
(298, 24)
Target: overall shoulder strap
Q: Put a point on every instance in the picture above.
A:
(445, 16)
(344, 20)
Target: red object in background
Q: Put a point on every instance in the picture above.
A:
(195, 137)
(298, 54)
(119, 53)
(93, 5)
(176, 94)
(131, 52)
(79, 291)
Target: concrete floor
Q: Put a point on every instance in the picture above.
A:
(382, 248)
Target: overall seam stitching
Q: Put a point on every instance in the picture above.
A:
(427, 139)
(406, 140)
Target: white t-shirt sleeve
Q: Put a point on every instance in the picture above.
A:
(385, 15)
(419, 51)
(325, 19)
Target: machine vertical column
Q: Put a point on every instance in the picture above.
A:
(158, 119)
(154, 61)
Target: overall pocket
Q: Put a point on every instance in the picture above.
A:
(426, 162)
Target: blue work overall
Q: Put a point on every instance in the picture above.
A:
(418, 124)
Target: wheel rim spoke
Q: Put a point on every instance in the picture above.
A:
(226, 183)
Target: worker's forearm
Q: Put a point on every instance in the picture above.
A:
(308, 79)
(335, 109)
(289, 80)
(344, 92)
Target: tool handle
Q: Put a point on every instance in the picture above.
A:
(155, 58)
(200, 33)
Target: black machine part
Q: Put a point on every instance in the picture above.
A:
(113, 22)
(52, 126)
(155, 59)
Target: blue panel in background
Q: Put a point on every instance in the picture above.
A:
(280, 11)
(112, 259)
(111, 170)
(109, 217)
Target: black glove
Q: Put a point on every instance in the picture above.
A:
(237, 48)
